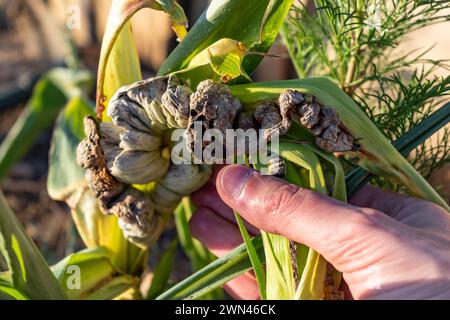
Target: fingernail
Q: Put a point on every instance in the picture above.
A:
(233, 180)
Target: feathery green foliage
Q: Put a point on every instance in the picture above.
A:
(355, 44)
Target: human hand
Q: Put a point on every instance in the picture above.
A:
(388, 246)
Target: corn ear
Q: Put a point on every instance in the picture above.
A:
(119, 65)
(376, 149)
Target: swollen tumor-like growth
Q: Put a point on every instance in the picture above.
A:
(132, 151)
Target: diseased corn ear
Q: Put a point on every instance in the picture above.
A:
(214, 107)
(141, 115)
(135, 210)
(151, 106)
(373, 149)
(180, 181)
(323, 122)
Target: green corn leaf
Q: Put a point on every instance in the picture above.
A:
(182, 214)
(161, 274)
(293, 175)
(424, 130)
(228, 66)
(192, 248)
(378, 153)
(280, 282)
(254, 258)
(49, 96)
(220, 61)
(177, 15)
(405, 144)
(255, 23)
(115, 288)
(199, 256)
(65, 177)
(8, 292)
(90, 274)
(214, 275)
(313, 277)
(30, 273)
(303, 157)
(339, 190)
(205, 256)
(313, 270)
(280, 277)
(123, 66)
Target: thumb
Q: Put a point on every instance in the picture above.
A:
(333, 228)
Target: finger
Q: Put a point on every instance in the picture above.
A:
(320, 222)
(220, 237)
(208, 197)
(388, 202)
(243, 288)
(217, 169)
(217, 234)
(409, 210)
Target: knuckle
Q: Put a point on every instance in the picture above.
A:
(368, 218)
(284, 201)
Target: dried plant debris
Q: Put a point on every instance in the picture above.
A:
(90, 156)
(331, 288)
(331, 134)
(214, 107)
(294, 261)
(133, 208)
